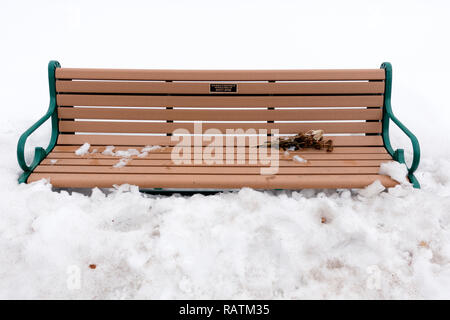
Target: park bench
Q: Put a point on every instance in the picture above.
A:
(131, 109)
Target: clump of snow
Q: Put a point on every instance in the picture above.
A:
(395, 170)
(372, 190)
(83, 149)
(299, 159)
(291, 149)
(109, 151)
(53, 161)
(286, 153)
(127, 153)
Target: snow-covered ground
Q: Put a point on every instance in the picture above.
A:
(249, 244)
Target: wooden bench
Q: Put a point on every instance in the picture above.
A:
(131, 109)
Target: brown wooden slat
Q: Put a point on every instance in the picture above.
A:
(104, 180)
(158, 163)
(135, 140)
(203, 88)
(339, 150)
(219, 115)
(163, 127)
(220, 75)
(167, 156)
(219, 101)
(203, 170)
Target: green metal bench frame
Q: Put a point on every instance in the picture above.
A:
(388, 115)
(41, 153)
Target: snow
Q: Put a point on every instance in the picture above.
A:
(150, 148)
(259, 244)
(83, 149)
(127, 153)
(109, 151)
(372, 190)
(369, 243)
(298, 159)
(147, 149)
(395, 170)
(122, 163)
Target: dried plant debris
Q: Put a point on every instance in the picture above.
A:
(311, 139)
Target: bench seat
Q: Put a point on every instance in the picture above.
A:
(134, 109)
(344, 167)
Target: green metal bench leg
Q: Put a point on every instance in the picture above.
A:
(397, 155)
(40, 153)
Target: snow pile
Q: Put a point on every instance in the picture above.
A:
(83, 149)
(395, 170)
(249, 244)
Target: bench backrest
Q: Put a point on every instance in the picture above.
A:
(341, 102)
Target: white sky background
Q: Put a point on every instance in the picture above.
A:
(412, 35)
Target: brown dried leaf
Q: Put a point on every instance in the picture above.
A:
(311, 139)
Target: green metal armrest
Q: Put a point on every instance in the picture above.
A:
(39, 152)
(399, 154)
